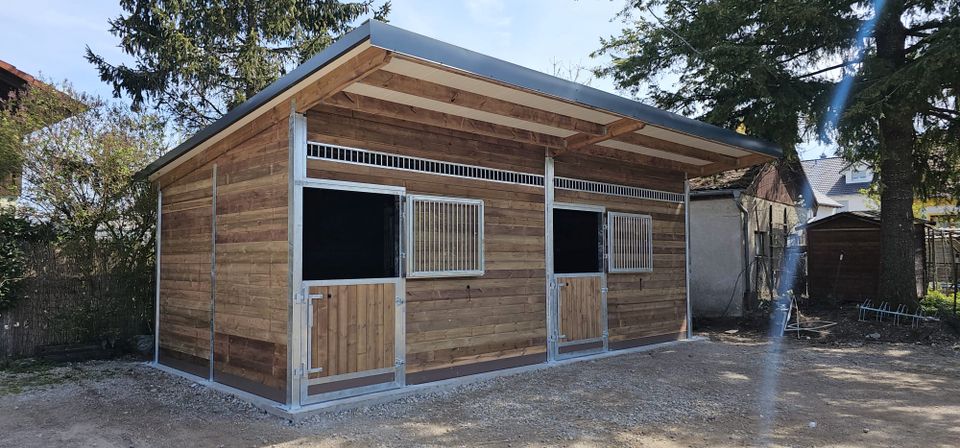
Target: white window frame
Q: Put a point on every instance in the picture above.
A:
(411, 248)
(858, 176)
(613, 241)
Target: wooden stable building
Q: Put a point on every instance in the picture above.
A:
(398, 211)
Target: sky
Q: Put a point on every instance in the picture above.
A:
(47, 38)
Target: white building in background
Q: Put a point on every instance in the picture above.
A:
(842, 182)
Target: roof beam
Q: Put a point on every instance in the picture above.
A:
(415, 114)
(677, 148)
(439, 92)
(617, 128)
(642, 159)
(354, 70)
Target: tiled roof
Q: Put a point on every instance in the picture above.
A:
(738, 179)
(825, 176)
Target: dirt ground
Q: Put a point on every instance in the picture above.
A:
(732, 391)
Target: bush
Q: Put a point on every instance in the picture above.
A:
(14, 233)
(938, 301)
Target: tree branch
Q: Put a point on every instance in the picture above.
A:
(824, 70)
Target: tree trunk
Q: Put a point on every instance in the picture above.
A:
(898, 275)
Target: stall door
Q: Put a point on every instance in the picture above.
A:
(579, 279)
(353, 290)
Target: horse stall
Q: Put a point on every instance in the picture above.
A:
(399, 211)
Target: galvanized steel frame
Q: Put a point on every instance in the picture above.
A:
(304, 304)
(156, 306)
(603, 286)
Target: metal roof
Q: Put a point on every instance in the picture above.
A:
(404, 42)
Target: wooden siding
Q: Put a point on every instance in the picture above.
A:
(458, 321)
(251, 257)
(185, 238)
(648, 304)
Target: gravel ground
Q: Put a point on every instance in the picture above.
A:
(687, 395)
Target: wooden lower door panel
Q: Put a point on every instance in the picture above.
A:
(352, 329)
(580, 306)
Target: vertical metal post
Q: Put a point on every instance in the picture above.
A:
(297, 173)
(686, 237)
(156, 306)
(552, 330)
(213, 264)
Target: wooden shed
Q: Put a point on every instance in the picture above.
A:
(398, 211)
(844, 253)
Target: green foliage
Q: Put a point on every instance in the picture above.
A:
(99, 248)
(14, 231)
(938, 301)
(24, 113)
(774, 67)
(197, 59)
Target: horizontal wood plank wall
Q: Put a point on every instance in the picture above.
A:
(250, 338)
(458, 321)
(639, 306)
(185, 273)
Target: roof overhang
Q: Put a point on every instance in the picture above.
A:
(384, 70)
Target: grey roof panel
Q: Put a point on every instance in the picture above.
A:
(825, 175)
(415, 45)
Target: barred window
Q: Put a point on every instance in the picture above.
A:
(630, 242)
(444, 236)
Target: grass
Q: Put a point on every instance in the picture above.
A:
(22, 374)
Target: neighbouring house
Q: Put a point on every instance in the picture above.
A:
(843, 257)
(12, 82)
(741, 222)
(399, 211)
(841, 181)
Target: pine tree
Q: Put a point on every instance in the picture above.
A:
(778, 68)
(197, 59)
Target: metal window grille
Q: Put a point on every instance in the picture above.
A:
(565, 183)
(365, 157)
(418, 164)
(630, 242)
(444, 237)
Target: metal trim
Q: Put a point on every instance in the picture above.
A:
(348, 281)
(580, 207)
(156, 306)
(580, 341)
(296, 349)
(686, 255)
(213, 265)
(551, 308)
(328, 396)
(349, 376)
(351, 186)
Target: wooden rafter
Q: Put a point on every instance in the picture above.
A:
(676, 148)
(354, 70)
(415, 114)
(470, 100)
(615, 129)
(642, 159)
